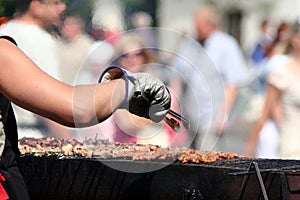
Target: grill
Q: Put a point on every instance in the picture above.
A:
(88, 178)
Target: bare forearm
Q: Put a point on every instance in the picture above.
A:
(95, 103)
(22, 82)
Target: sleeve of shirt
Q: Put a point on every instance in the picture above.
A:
(277, 77)
(275, 61)
(8, 38)
(234, 67)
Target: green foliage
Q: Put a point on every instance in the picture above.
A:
(7, 8)
(133, 2)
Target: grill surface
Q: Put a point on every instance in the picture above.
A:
(87, 178)
(264, 164)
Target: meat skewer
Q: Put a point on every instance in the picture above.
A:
(185, 121)
(174, 124)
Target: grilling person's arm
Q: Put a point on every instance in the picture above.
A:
(22, 82)
(26, 85)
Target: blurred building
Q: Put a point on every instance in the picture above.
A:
(241, 18)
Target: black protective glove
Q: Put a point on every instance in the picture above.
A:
(146, 96)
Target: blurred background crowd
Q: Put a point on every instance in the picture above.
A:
(232, 67)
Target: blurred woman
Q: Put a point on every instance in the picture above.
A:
(131, 54)
(269, 135)
(283, 86)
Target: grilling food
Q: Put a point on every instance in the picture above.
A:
(96, 148)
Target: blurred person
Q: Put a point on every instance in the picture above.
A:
(25, 84)
(259, 52)
(283, 87)
(142, 24)
(132, 55)
(99, 56)
(278, 45)
(73, 48)
(269, 135)
(30, 23)
(275, 46)
(223, 70)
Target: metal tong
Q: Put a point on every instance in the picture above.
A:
(175, 124)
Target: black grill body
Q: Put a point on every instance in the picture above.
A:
(88, 178)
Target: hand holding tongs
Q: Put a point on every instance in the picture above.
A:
(173, 123)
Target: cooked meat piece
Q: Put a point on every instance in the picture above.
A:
(67, 149)
(51, 146)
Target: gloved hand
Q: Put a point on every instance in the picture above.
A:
(146, 96)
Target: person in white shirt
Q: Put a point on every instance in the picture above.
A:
(73, 47)
(29, 29)
(213, 68)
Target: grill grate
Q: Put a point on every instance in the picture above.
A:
(243, 164)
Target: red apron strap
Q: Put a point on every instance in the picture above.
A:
(3, 194)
